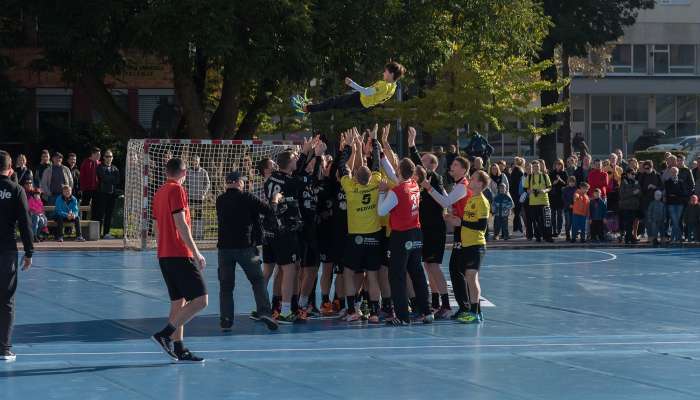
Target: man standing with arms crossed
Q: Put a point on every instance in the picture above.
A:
(13, 212)
(180, 262)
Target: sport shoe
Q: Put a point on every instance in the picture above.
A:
(165, 344)
(354, 317)
(254, 316)
(8, 356)
(459, 314)
(426, 319)
(327, 309)
(312, 312)
(270, 322)
(60, 240)
(108, 237)
(443, 313)
(373, 319)
(468, 318)
(286, 319)
(226, 324)
(80, 239)
(188, 357)
(397, 322)
(302, 316)
(480, 316)
(336, 306)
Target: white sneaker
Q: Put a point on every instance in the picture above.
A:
(8, 356)
(80, 239)
(107, 237)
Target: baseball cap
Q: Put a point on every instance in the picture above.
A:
(235, 176)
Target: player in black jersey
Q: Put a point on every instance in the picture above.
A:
(339, 222)
(310, 257)
(290, 182)
(326, 235)
(433, 228)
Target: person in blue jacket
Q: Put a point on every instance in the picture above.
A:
(67, 211)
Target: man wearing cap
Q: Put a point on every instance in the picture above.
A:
(53, 179)
(238, 212)
(13, 213)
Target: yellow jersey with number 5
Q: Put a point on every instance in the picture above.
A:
(362, 204)
(477, 208)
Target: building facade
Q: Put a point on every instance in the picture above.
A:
(654, 81)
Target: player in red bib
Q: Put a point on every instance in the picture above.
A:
(405, 243)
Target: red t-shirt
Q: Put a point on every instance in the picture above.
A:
(458, 207)
(404, 216)
(170, 199)
(88, 175)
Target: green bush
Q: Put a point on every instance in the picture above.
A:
(657, 156)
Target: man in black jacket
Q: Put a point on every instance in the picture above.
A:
(13, 212)
(237, 213)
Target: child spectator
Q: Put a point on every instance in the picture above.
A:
(502, 204)
(598, 212)
(655, 218)
(36, 209)
(567, 195)
(580, 211)
(67, 211)
(691, 218)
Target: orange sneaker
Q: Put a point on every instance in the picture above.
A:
(336, 305)
(327, 309)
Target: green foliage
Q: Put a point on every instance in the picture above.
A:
(657, 156)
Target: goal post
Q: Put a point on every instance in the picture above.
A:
(145, 174)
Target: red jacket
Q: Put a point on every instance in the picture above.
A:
(598, 179)
(88, 175)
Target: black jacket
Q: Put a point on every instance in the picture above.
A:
(237, 212)
(14, 211)
(429, 211)
(108, 178)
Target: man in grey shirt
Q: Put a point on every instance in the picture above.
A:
(54, 178)
(198, 185)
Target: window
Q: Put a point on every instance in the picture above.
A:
(687, 109)
(677, 115)
(617, 108)
(622, 58)
(636, 108)
(660, 54)
(640, 59)
(600, 108)
(665, 109)
(682, 59)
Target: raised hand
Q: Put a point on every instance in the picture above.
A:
(307, 145)
(373, 132)
(383, 186)
(348, 81)
(385, 133)
(320, 148)
(426, 183)
(411, 136)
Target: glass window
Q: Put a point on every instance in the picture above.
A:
(600, 108)
(687, 108)
(665, 109)
(617, 108)
(683, 58)
(660, 62)
(640, 58)
(578, 115)
(668, 127)
(687, 129)
(622, 58)
(600, 138)
(617, 136)
(637, 108)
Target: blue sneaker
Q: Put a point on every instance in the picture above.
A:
(480, 316)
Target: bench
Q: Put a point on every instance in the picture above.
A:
(90, 229)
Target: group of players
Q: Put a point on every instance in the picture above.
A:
(370, 220)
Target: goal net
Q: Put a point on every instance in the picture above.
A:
(145, 173)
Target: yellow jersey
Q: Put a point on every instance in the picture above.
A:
(539, 182)
(477, 208)
(362, 204)
(383, 91)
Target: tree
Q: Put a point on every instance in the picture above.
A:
(578, 26)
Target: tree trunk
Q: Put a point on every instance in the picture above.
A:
(192, 111)
(119, 121)
(223, 122)
(201, 64)
(565, 130)
(251, 121)
(547, 144)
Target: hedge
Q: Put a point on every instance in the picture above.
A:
(657, 156)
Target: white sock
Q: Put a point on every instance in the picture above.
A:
(286, 308)
(303, 301)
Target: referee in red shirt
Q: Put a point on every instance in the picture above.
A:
(180, 262)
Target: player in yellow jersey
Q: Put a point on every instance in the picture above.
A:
(363, 249)
(362, 98)
(473, 243)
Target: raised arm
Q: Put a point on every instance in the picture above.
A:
(388, 152)
(412, 150)
(387, 200)
(367, 91)
(375, 149)
(457, 193)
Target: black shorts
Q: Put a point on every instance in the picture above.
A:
(385, 248)
(310, 257)
(339, 244)
(468, 258)
(433, 243)
(326, 240)
(268, 256)
(183, 278)
(285, 248)
(364, 252)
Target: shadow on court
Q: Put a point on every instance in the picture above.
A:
(73, 370)
(110, 330)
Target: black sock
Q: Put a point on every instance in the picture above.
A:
(473, 307)
(325, 298)
(386, 304)
(373, 307)
(295, 303)
(365, 295)
(351, 304)
(445, 301)
(478, 307)
(341, 300)
(168, 330)
(412, 303)
(276, 302)
(179, 347)
(435, 300)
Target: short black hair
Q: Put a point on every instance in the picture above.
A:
(174, 166)
(284, 158)
(406, 168)
(57, 154)
(262, 164)
(396, 69)
(95, 150)
(5, 161)
(72, 155)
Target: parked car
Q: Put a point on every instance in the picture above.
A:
(650, 137)
(679, 143)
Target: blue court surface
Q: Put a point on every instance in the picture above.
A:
(566, 324)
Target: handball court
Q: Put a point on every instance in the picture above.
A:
(567, 324)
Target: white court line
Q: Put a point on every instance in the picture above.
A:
(612, 257)
(466, 346)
